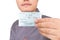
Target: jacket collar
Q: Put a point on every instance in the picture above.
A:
(37, 10)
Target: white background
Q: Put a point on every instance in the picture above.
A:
(9, 13)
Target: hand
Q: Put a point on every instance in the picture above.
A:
(49, 27)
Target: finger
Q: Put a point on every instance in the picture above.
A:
(42, 20)
(47, 20)
(48, 36)
(46, 25)
(49, 31)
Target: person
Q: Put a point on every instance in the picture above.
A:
(46, 28)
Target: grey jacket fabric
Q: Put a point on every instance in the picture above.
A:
(25, 33)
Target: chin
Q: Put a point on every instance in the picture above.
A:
(27, 10)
